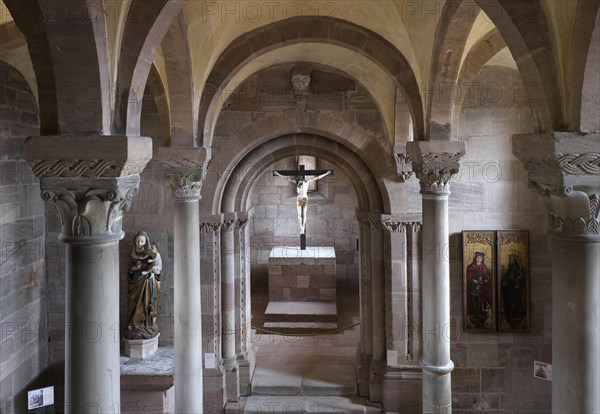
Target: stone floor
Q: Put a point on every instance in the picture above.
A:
(321, 365)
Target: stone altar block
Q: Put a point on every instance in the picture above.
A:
(297, 275)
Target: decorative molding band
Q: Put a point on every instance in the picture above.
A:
(91, 210)
(182, 164)
(85, 168)
(437, 369)
(185, 186)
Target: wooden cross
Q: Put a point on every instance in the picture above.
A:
(302, 191)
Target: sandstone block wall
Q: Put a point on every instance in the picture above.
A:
(24, 283)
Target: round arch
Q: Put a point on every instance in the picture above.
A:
(343, 136)
(302, 29)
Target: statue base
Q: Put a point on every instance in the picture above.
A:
(141, 348)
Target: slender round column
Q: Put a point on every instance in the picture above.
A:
(188, 307)
(436, 362)
(434, 164)
(575, 325)
(187, 298)
(228, 284)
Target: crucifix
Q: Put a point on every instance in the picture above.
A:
(301, 183)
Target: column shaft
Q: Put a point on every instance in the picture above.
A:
(92, 373)
(575, 326)
(228, 275)
(188, 308)
(436, 363)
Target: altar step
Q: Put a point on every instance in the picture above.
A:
(302, 405)
(301, 311)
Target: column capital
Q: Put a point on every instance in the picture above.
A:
(90, 156)
(91, 180)
(403, 223)
(403, 163)
(185, 169)
(91, 209)
(434, 163)
(564, 168)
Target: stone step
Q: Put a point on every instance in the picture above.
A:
(301, 312)
(300, 327)
(302, 405)
(290, 384)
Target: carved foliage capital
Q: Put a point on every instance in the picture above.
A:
(435, 163)
(91, 210)
(403, 166)
(207, 228)
(571, 212)
(185, 185)
(228, 224)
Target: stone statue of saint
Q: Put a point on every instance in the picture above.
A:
(144, 288)
(302, 192)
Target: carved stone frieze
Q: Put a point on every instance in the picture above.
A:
(395, 226)
(565, 170)
(87, 156)
(435, 163)
(91, 210)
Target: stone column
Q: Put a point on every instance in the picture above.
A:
(365, 349)
(228, 306)
(434, 163)
(90, 195)
(378, 300)
(184, 171)
(245, 355)
(564, 168)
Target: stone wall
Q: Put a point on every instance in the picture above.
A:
(331, 221)
(23, 279)
(495, 371)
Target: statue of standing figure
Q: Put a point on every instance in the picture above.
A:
(302, 192)
(144, 288)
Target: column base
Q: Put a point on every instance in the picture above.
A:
(402, 389)
(141, 348)
(376, 373)
(247, 363)
(214, 390)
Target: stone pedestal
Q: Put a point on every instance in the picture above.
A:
(148, 386)
(141, 348)
(297, 275)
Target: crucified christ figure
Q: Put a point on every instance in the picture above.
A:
(301, 184)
